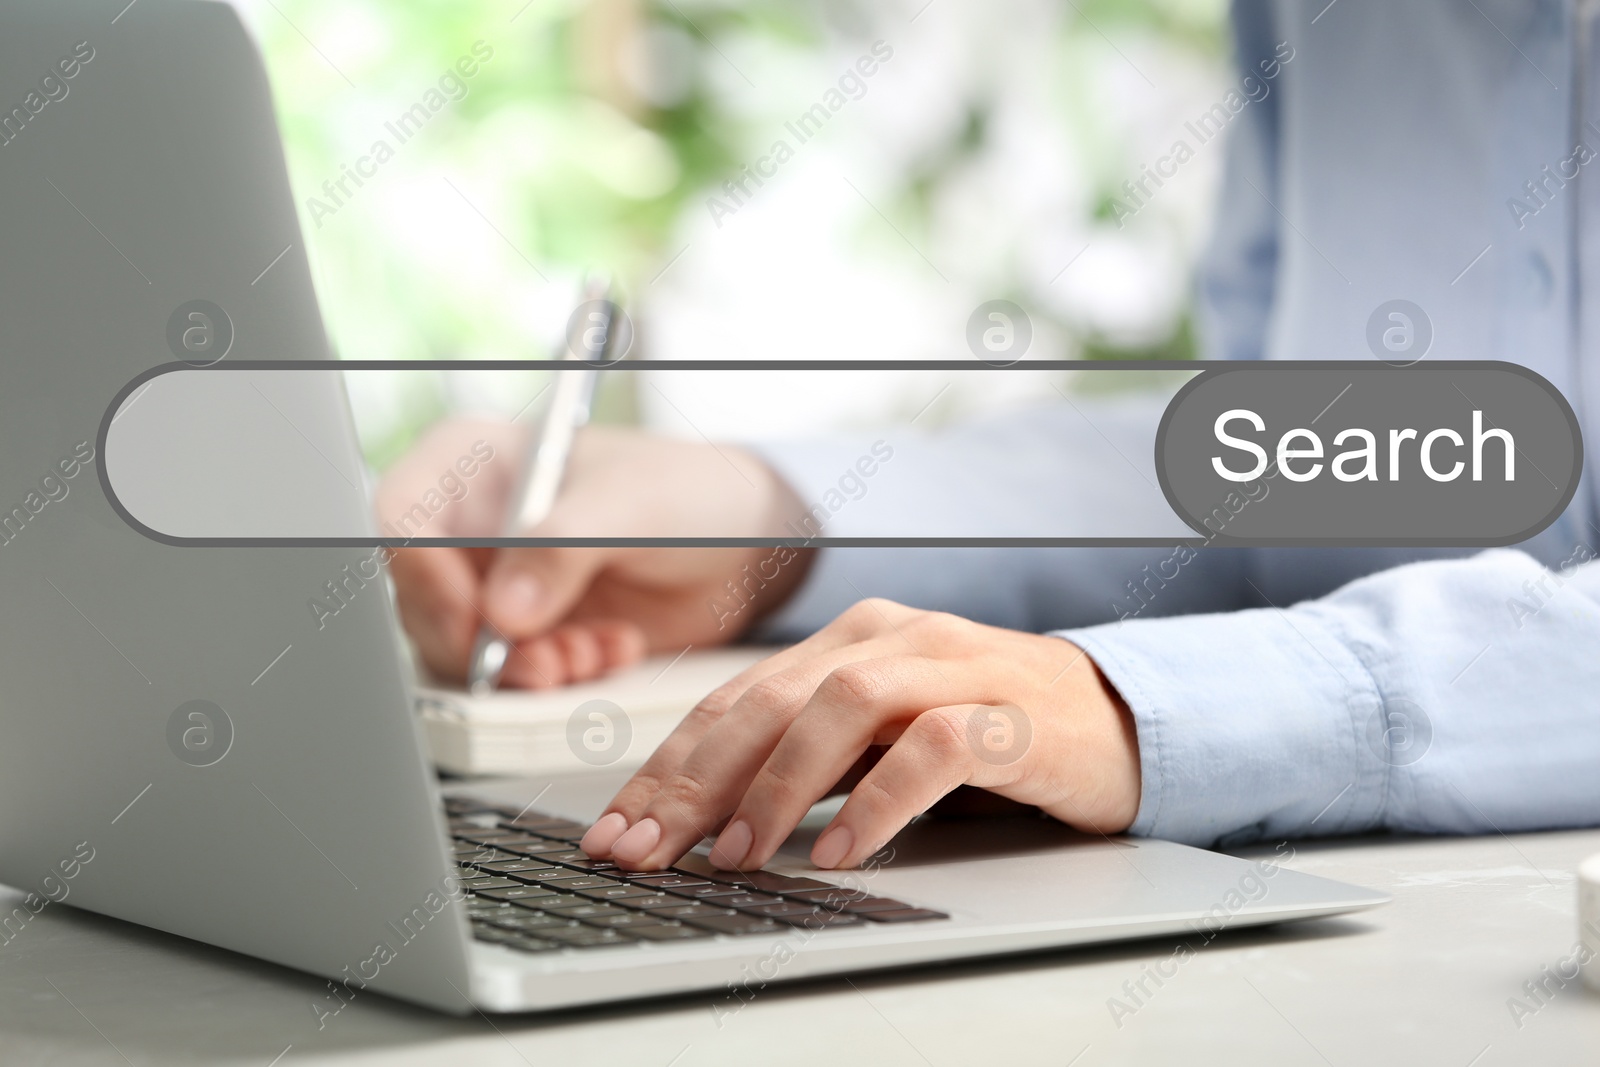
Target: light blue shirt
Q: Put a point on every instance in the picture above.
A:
(1402, 154)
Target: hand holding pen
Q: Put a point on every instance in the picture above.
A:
(545, 466)
(572, 613)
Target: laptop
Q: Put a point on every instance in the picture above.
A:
(182, 747)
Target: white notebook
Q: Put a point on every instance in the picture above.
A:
(525, 732)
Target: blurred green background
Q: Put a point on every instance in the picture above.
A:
(980, 161)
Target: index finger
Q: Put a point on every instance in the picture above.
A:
(637, 793)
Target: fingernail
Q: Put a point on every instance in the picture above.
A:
(733, 845)
(832, 846)
(634, 846)
(603, 835)
(514, 600)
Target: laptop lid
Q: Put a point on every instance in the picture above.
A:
(182, 745)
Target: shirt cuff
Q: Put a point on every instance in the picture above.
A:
(1252, 725)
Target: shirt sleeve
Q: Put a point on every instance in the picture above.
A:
(1084, 469)
(1442, 697)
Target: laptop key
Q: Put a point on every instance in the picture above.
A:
(820, 918)
(478, 885)
(783, 884)
(559, 902)
(701, 889)
(623, 920)
(664, 880)
(490, 933)
(560, 852)
(736, 879)
(529, 920)
(605, 867)
(554, 877)
(741, 901)
(668, 932)
(588, 909)
(518, 893)
(782, 909)
(618, 892)
(512, 939)
(516, 866)
(833, 898)
(654, 902)
(693, 911)
(570, 882)
(737, 925)
(698, 867)
(904, 915)
(549, 877)
(475, 903)
(587, 937)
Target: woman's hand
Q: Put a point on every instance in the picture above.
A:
(575, 613)
(955, 702)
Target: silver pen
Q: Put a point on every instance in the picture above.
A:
(545, 465)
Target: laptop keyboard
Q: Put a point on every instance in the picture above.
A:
(531, 888)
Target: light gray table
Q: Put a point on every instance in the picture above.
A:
(1425, 980)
